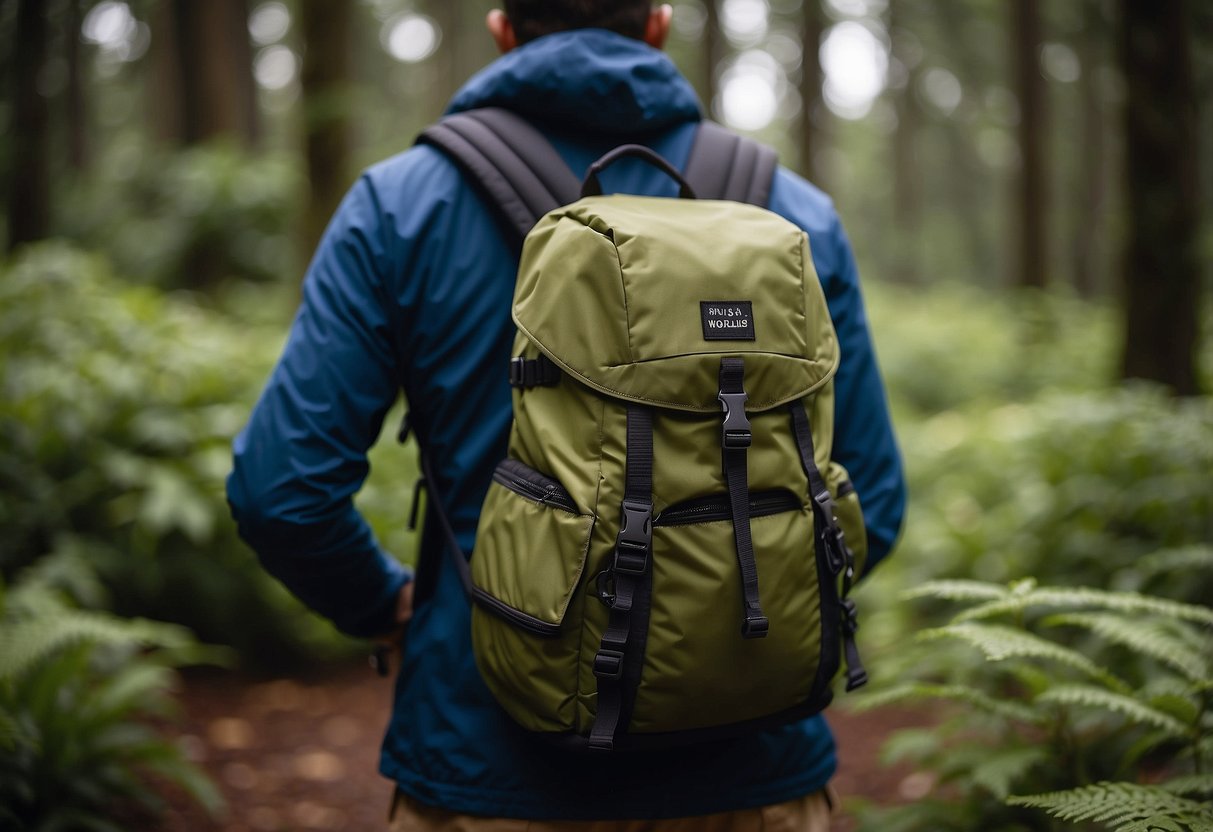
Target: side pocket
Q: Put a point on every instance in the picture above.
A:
(849, 513)
(530, 554)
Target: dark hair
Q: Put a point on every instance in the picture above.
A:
(535, 18)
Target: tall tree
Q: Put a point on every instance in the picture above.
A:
(77, 127)
(907, 190)
(1162, 269)
(203, 71)
(1032, 198)
(712, 55)
(28, 202)
(1092, 195)
(812, 112)
(326, 123)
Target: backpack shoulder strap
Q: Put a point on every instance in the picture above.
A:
(723, 165)
(509, 161)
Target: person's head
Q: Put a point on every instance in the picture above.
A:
(525, 20)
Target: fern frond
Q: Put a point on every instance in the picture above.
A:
(999, 643)
(958, 590)
(1195, 558)
(1128, 602)
(24, 643)
(1008, 709)
(1126, 807)
(1148, 638)
(1088, 696)
(1191, 784)
(1000, 768)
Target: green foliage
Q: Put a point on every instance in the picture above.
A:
(1126, 807)
(80, 694)
(1103, 489)
(187, 218)
(118, 409)
(1038, 708)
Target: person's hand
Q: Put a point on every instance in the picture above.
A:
(390, 641)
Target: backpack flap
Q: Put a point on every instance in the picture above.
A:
(638, 298)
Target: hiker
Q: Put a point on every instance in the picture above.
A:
(411, 288)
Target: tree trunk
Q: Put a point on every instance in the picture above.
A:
(77, 113)
(326, 77)
(907, 190)
(204, 72)
(1162, 269)
(812, 111)
(28, 197)
(1032, 199)
(713, 52)
(1092, 194)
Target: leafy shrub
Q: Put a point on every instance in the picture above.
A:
(189, 217)
(119, 406)
(1109, 489)
(79, 692)
(1058, 690)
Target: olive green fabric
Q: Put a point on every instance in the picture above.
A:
(610, 289)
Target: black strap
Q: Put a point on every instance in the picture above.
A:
(735, 438)
(452, 543)
(523, 177)
(830, 540)
(533, 372)
(723, 165)
(621, 654)
(508, 160)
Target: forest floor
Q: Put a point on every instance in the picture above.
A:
(302, 753)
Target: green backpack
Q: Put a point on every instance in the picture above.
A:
(661, 557)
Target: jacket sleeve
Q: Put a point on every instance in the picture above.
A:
(302, 456)
(863, 431)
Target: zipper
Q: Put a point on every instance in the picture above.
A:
(527, 482)
(516, 617)
(716, 507)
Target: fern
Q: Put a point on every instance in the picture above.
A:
(25, 642)
(958, 591)
(1008, 709)
(1124, 807)
(999, 643)
(1192, 784)
(1154, 639)
(1185, 558)
(1000, 768)
(1093, 697)
(1124, 602)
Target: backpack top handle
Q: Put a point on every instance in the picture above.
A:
(592, 187)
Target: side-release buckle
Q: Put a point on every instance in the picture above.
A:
(735, 430)
(608, 664)
(635, 537)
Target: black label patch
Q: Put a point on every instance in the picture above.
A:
(727, 320)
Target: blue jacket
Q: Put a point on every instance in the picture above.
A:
(411, 288)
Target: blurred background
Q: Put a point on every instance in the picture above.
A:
(1027, 189)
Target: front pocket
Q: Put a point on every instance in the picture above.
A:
(531, 548)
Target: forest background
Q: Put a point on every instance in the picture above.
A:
(1026, 186)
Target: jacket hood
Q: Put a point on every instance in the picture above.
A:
(585, 80)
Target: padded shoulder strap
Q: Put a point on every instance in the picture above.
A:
(723, 165)
(509, 161)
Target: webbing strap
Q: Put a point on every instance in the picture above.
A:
(735, 442)
(448, 532)
(540, 371)
(621, 654)
(830, 540)
(723, 165)
(509, 161)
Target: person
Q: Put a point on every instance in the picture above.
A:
(411, 289)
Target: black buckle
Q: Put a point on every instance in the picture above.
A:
(608, 664)
(755, 626)
(850, 617)
(735, 431)
(517, 371)
(635, 537)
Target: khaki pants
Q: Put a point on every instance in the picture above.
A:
(806, 814)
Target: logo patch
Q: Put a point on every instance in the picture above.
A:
(727, 320)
